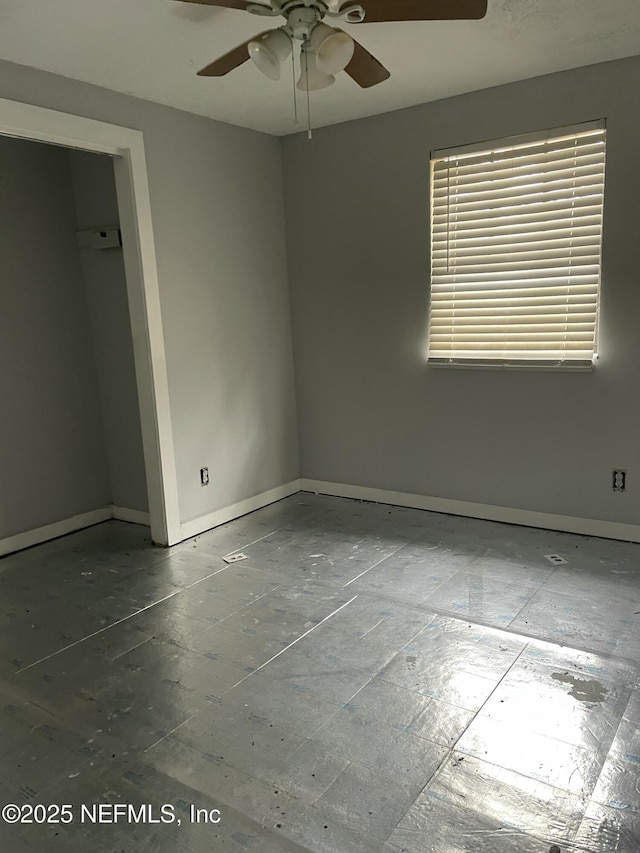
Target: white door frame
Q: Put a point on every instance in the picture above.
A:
(127, 147)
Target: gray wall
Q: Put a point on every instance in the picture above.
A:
(371, 412)
(52, 463)
(217, 209)
(105, 285)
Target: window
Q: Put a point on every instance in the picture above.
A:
(516, 231)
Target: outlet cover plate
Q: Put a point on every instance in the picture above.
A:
(235, 558)
(619, 480)
(555, 559)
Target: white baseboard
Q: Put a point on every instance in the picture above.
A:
(52, 531)
(69, 525)
(135, 516)
(527, 518)
(228, 513)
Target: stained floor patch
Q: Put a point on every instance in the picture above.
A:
(585, 690)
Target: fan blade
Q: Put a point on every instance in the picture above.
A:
(421, 10)
(228, 4)
(236, 57)
(365, 69)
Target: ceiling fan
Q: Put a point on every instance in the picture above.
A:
(326, 50)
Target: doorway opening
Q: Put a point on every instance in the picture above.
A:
(125, 146)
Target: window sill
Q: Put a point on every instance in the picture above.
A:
(561, 367)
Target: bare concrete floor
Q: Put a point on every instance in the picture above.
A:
(370, 678)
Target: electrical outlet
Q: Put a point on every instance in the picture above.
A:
(619, 480)
(204, 476)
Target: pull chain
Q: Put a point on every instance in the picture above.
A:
(296, 122)
(306, 71)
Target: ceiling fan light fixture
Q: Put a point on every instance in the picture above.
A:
(333, 48)
(270, 51)
(311, 77)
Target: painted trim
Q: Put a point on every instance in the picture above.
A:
(221, 516)
(134, 206)
(53, 531)
(69, 525)
(135, 516)
(127, 147)
(524, 517)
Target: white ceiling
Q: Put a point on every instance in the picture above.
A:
(152, 49)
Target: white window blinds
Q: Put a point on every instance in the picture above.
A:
(515, 250)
